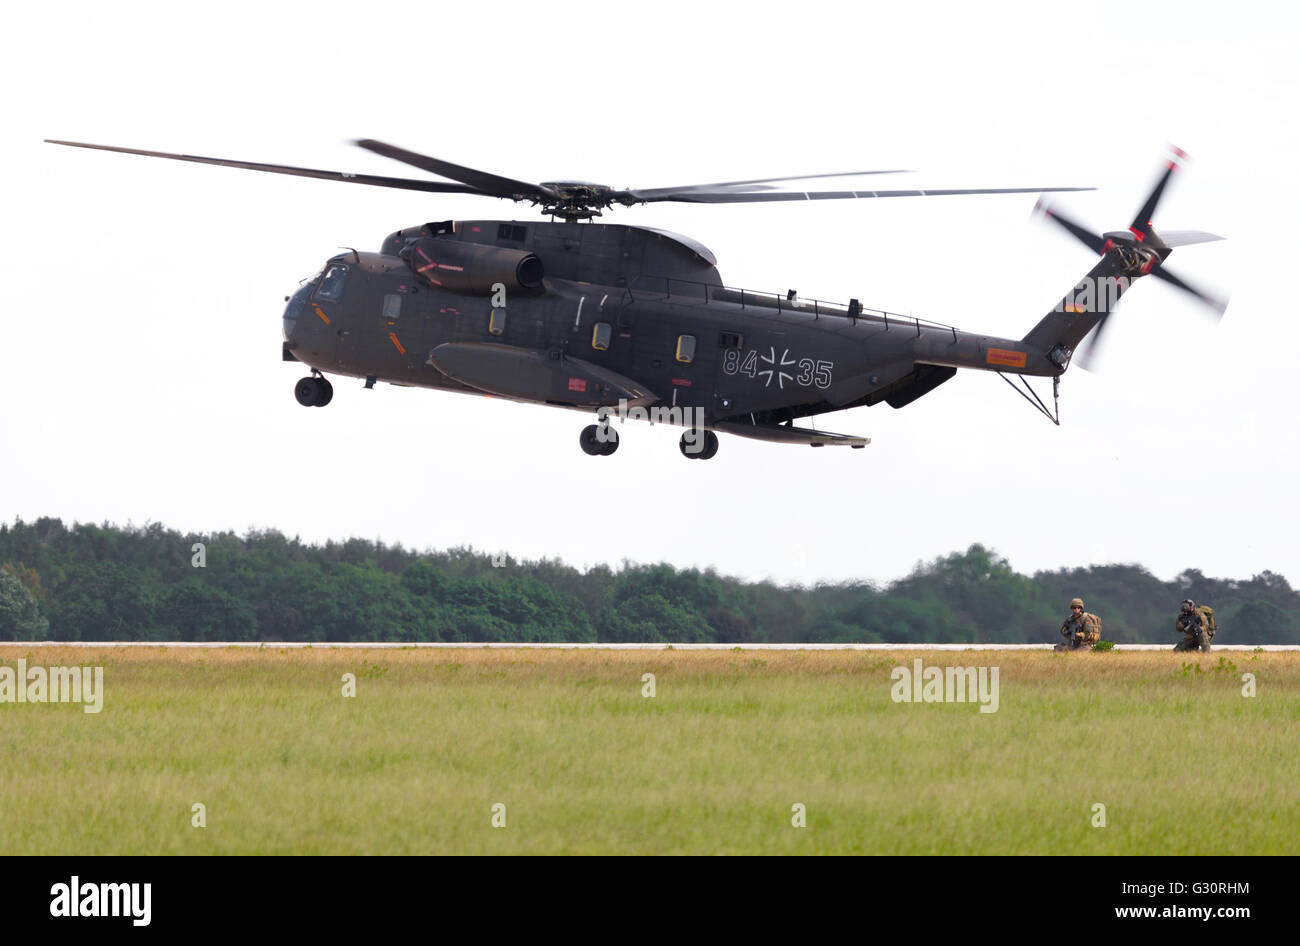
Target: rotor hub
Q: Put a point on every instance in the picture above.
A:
(576, 200)
(1137, 260)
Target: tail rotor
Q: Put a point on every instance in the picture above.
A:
(1139, 251)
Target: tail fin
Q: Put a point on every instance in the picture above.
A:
(1059, 333)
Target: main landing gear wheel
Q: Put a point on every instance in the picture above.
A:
(598, 443)
(313, 392)
(692, 448)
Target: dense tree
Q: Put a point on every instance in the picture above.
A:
(19, 617)
(194, 610)
(104, 600)
(1260, 622)
(96, 582)
(648, 617)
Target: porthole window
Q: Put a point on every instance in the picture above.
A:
(497, 322)
(686, 349)
(600, 336)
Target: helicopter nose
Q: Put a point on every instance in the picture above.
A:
(294, 306)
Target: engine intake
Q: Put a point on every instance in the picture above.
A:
(471, 267)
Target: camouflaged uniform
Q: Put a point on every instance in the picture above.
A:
(1081, 631)
(1194, 626)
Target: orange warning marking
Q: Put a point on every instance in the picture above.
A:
(1075, 307)
(324, 318)
(1003, 356)
(396, 343)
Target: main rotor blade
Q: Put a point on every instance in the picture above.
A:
(1218, 305)
(397, 182)
(1085, 236)
(482, 181)
(662, 192)
(746, 197)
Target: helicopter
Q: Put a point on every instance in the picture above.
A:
(609, 318)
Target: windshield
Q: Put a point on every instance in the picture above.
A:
(331, 284)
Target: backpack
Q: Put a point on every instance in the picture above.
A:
(1092, 628)
(1207, 620)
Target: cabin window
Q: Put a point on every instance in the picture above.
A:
(497, 322)
(331, 284)
(730, 340)
(511, 231)
(600, 336)
(686, 349)
(392, 306)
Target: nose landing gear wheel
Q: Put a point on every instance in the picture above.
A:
(305, 392)
(699, 449)
(598, 443)
(313, 392)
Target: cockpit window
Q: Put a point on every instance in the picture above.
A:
(331, 285)
(298, 300)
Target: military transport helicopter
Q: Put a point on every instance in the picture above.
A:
(603, 317)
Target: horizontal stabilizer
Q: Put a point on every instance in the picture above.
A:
(528, 374)
(1187, 237)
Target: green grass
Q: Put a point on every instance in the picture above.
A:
(712, 764)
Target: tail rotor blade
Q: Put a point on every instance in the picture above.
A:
(1088, 355)
(1142, 222)
(1084, 236)
(1218, 305)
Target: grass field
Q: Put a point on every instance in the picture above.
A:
(712, 763)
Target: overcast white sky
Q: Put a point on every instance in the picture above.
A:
(140, 377)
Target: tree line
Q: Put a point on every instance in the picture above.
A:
(105, 582)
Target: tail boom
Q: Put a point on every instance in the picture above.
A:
(1059, 333)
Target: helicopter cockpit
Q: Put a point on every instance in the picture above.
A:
(325, 286)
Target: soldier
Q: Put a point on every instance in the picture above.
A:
(1197, 628)
(1081, 630)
